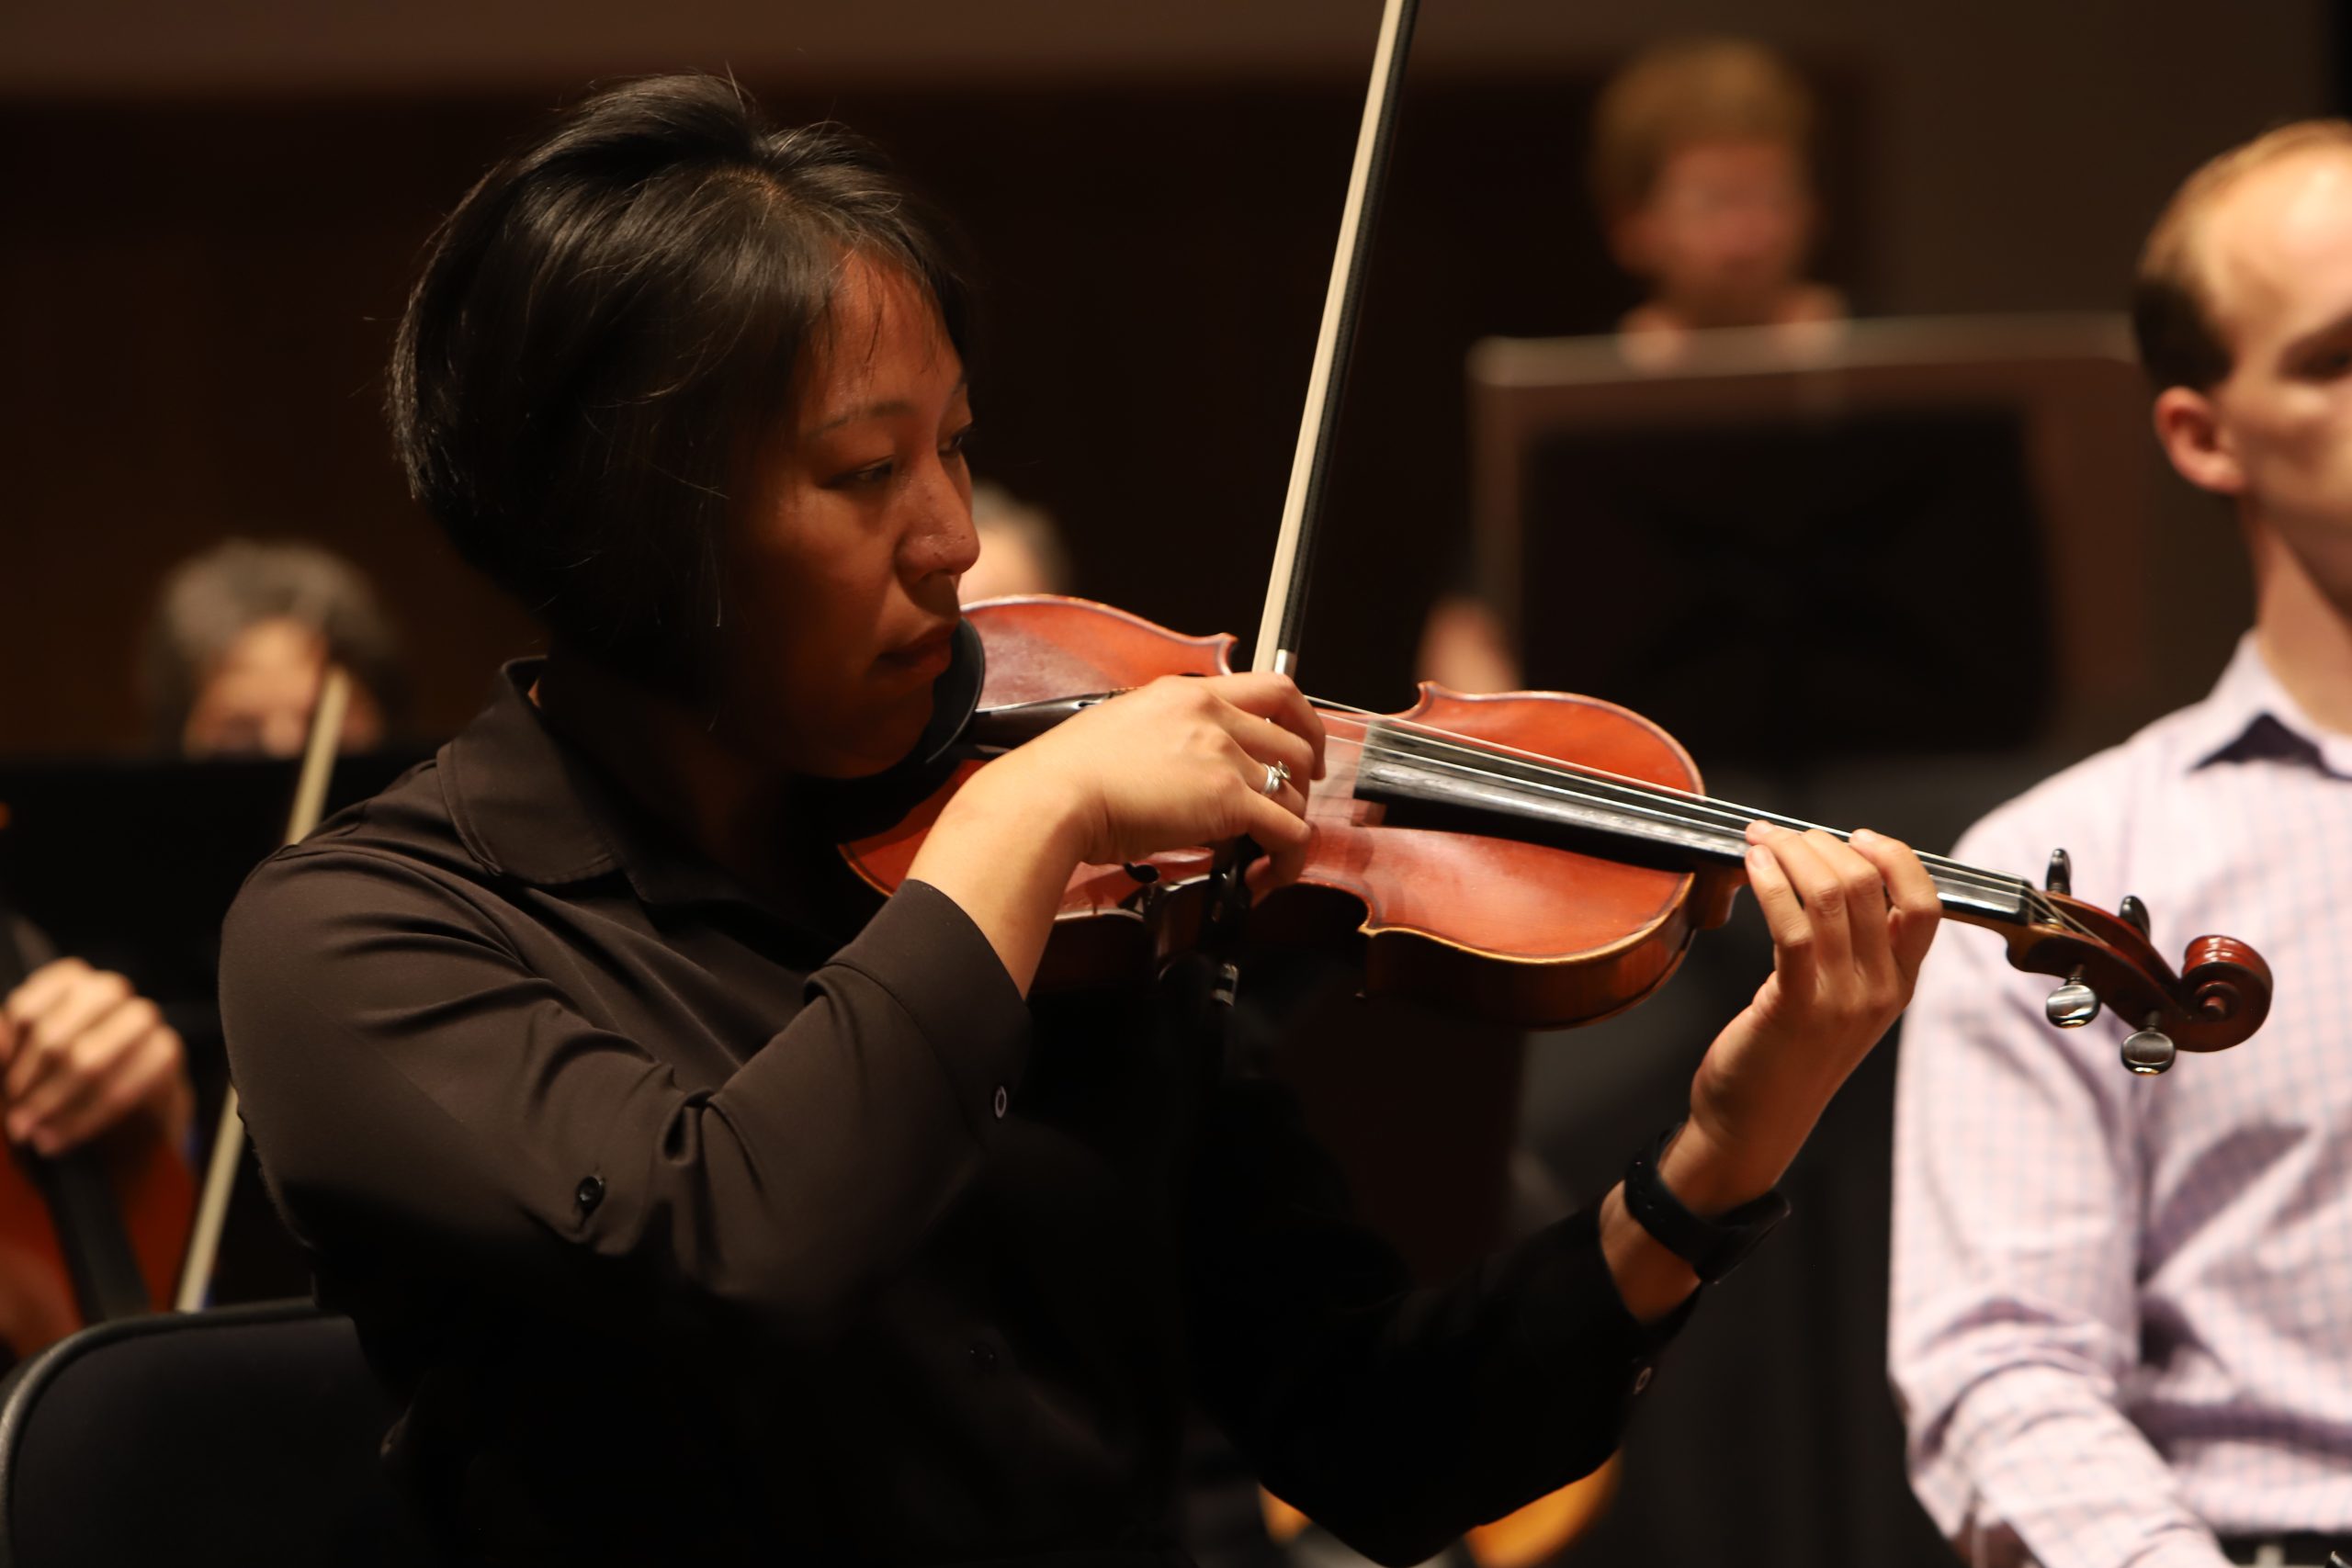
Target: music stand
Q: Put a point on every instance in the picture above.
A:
(2067, 386)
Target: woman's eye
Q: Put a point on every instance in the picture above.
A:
(871, 474)
(954, 445)
(2328, 364)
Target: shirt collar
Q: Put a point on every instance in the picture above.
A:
(2248, 713)
(521, 799)
(529, 805)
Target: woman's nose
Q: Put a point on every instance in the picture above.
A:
(945, 540)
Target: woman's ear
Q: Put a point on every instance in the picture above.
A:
(2197, 440)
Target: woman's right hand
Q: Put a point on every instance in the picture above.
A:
(1179, 763)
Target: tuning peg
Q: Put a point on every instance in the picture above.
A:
(2135, 912)
(2061, 875)
(2149, 1053)
(2072, 1005)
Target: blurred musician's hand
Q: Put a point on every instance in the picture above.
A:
(80, 1052)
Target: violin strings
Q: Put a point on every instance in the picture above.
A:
(1644, 804)
(1726, 815)
(1953, 875)
(1641, 802)
(1657, 802)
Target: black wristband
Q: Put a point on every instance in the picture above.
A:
(1713, 1247)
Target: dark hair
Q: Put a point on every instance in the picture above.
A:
(607, 324)
(2172, 316)
(210, 600)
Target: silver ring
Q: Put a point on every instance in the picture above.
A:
(1277, 775)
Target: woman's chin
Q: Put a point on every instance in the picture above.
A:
(885, 735)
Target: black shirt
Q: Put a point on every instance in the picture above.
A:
(690, 1227)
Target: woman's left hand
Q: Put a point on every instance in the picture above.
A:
(1851, 922)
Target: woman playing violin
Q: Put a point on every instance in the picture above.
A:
(697, 1208)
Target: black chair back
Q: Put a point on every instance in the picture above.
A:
(243, 1435)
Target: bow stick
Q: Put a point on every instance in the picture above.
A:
(1279, 628)
(228, 1140)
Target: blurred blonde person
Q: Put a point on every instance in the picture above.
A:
(1702, 165)
(1702, 170)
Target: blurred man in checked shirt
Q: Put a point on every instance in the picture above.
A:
(2122, 1307)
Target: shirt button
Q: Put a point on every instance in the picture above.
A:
(1642, 1378)
(1003, 1102)
(983, 1356)
(589, 1193)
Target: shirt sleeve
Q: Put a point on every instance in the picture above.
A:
(2014, 1333)
(418, 1094)
(1396, 1417)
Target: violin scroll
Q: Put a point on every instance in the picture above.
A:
(2218, 999)
(2228, 983)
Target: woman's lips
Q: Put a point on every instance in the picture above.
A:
(928, 656)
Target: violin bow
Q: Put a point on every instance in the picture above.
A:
(1280, 627)
(229, 1139)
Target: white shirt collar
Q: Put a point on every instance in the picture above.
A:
(2241, 702)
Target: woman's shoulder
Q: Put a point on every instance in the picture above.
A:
(400, 841)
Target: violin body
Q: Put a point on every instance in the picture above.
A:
(1521, 932)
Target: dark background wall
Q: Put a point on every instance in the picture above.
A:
(206, 356)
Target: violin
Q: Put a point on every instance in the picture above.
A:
(1532, 857)
(1536, 858)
